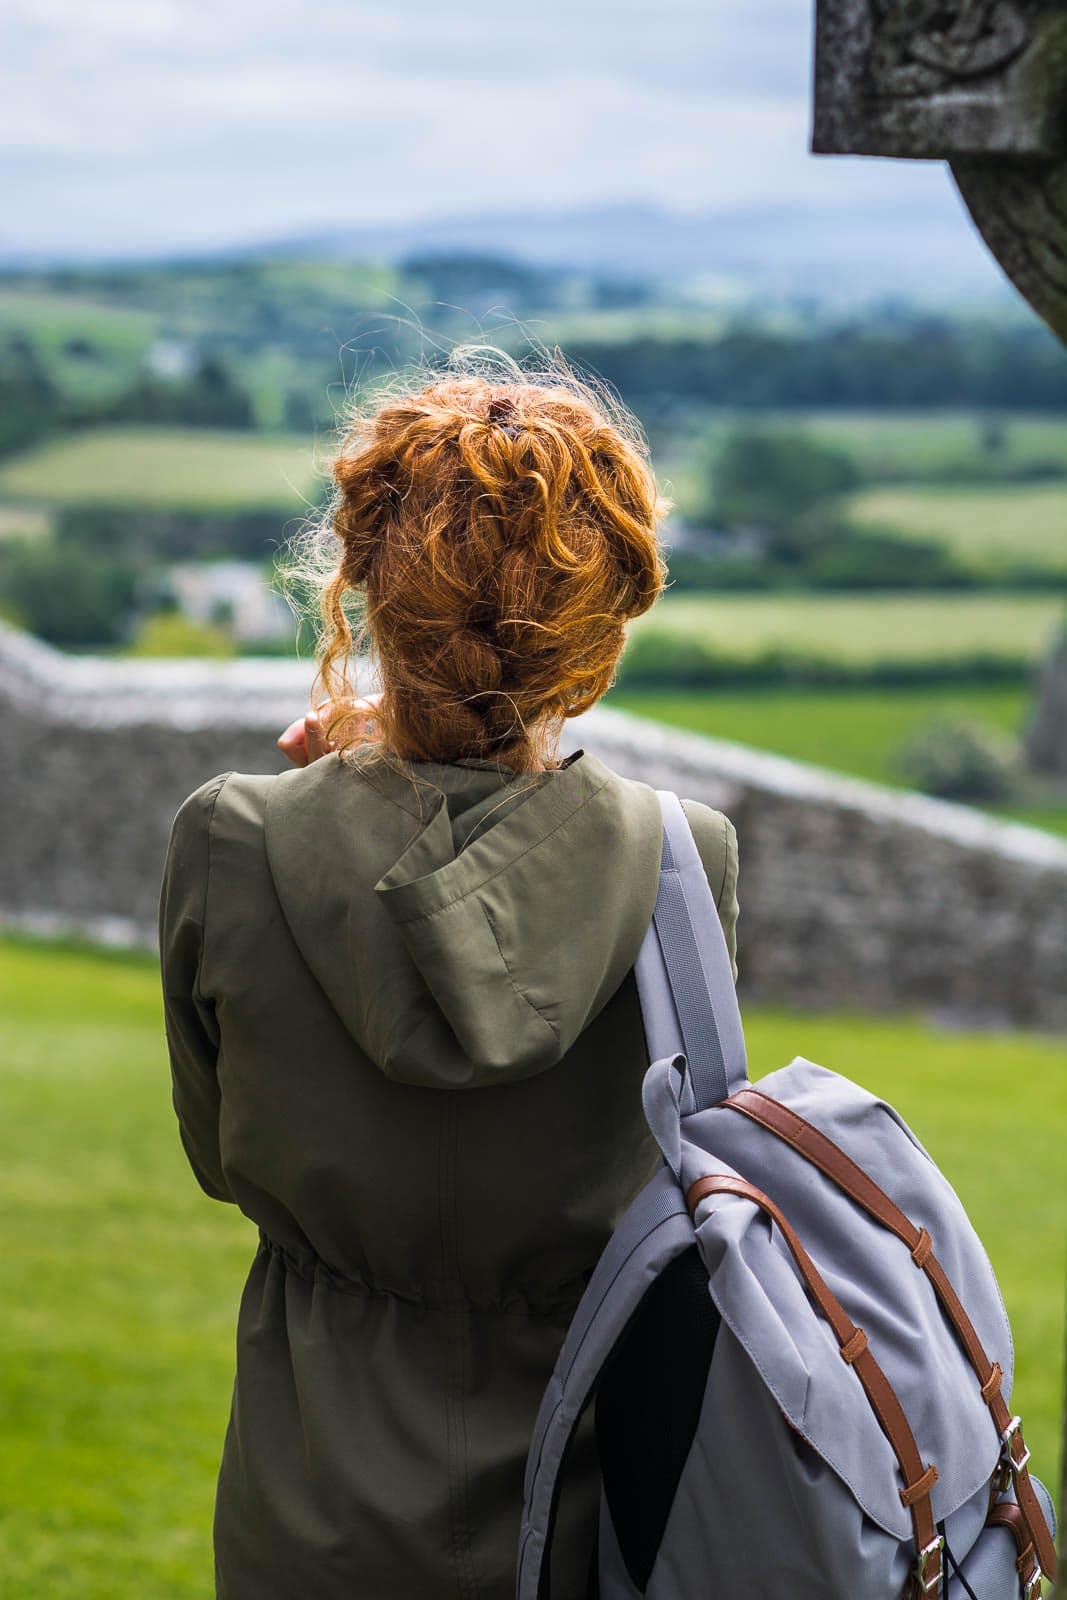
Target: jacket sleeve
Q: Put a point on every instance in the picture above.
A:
(189, 1016)
(716, 840)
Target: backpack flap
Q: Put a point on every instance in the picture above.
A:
(761, 1295)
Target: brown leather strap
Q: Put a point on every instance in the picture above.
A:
(831, 1160)
(1005, 1514)
(923, 1246)
(922, 1486)
(918, 1479)
(992, 1383)
(855, 1347)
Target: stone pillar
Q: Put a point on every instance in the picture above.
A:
(1046, 737)
(979, 84)
(982, 85)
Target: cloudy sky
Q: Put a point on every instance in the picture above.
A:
(130, 125)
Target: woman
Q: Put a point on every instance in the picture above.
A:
(403, 1025)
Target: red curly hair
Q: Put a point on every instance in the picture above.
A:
(499, 535)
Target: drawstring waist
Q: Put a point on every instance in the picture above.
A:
(430, 1294)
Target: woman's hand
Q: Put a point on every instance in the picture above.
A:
(305, 741)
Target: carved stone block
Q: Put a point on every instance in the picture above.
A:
(980, 84)
(934, 79)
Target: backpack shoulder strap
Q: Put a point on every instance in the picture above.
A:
(684, 976)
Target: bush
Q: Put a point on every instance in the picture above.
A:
(168, 633)
(160, 534)
(28, 399)
(70, 597)
(668, 658)
(958, 759)
(877, 558)
(211, 397)
(769, 478)
(834, 555)
(691, 571)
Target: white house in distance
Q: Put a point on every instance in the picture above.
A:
(235, 594)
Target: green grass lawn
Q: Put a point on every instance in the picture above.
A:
(120, 1286)
(121, 1280)
(202, 469)
(995, 527)
(861, 628)
(856, 731)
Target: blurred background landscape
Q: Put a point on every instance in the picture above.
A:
(870, 528)
(861, 425)
(869, 545)
(221, 225)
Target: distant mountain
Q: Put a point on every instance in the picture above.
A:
(888, 247)
(916, 252)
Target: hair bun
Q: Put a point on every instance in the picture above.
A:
(498, 535)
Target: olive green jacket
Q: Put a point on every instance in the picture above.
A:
(405, 1040)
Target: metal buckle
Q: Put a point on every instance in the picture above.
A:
(928, 1585)
(1032, 1585)
(1006, 1440)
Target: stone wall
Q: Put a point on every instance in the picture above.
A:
(851, 895)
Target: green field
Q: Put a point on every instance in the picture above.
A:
(218, 469)
(908, 443)
(887, 446)
(282, 335)
(196, 469)
(855, 731)
(119, 336)
(994, 527)
(607, 326)
(45, 312)
(860, 628)
(121, 1280)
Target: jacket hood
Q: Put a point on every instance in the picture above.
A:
(465, 921)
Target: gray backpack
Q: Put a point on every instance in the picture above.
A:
(794, 1343)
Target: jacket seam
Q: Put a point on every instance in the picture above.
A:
(426, 785)
(455, 1403)
(197, 991)
(523, 996)
(424, 916)
(466, 1544)
(470, 1576)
